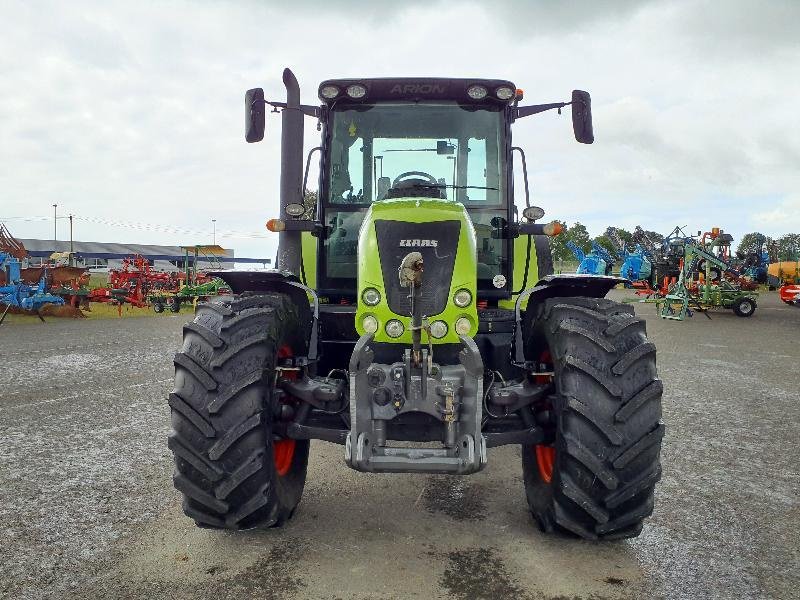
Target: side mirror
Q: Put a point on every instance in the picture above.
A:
(582, 116)
(533, 213)
(254, 115)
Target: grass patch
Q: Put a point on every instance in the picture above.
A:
(101, 310)
(98, 280)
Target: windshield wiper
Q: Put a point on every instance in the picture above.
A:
(455, 187)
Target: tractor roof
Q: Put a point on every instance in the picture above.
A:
(417, 88)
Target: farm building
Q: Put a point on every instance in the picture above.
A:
(102, 256)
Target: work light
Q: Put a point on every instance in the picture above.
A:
(477, 92)
(356, 91)
(504, 93)
(329, 92)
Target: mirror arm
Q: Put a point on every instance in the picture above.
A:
(514, 230)
(524, 174)
(315, 228)
(526, 111)
(309, 111)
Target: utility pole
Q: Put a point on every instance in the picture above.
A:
(70, 240)
(55, 228)
(214, 225)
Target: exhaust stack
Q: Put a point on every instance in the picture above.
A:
(289, 243)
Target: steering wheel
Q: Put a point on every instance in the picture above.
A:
(402, 176)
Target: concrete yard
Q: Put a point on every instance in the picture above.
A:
(87, 507)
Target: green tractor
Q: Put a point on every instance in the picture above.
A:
(414, 319)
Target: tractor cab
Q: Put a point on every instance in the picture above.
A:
(441, 139)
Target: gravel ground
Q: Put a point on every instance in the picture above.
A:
(87, 508)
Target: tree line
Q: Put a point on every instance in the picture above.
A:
(785, 247)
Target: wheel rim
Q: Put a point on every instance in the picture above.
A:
(545, 455)
(545, 459)
(282, 455)
(745, 308)
(283, 450)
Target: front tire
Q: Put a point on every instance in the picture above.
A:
(596, 476)
(232, 471)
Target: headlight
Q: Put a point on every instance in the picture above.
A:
(438, 329)
(394, 328)
(504, 93)
(329, 92)
(356, 91)
(462, 298)
(370, 324)
(463, 326)
(477, 92)
(371, 296)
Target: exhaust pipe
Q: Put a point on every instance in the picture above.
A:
(289, 243)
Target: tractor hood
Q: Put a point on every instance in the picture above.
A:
(442, 234)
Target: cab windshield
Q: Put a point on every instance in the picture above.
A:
(442, 150)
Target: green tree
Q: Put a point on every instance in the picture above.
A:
(310, 204)
(649, 240)
(615, 240)
(750, 244)
(788, 247)
(606, 243)
(655, 236)
(623, 234)
(558, 245)
(578, 234)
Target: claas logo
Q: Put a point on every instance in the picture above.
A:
(419, 243)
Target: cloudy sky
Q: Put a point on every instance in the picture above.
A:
(129, 114)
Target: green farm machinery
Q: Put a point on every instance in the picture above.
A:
(192, 285)
(716, 284)
(414, 318)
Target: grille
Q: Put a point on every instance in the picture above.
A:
(396, 239)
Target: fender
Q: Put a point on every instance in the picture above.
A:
(282, 282)
(555, 286)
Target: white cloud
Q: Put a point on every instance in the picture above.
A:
(133, 111)
(784, 217)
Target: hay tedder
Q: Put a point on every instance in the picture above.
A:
(415, 320)
(717, 283)
(191, 285)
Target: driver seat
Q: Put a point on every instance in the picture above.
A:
(414, 188)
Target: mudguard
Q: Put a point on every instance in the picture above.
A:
(282, 282)
(553, 286)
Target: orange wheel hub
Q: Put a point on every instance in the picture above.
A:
(282, 455)
(283, 450)
(545, 459)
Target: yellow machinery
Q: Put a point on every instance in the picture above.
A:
(786, 271)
